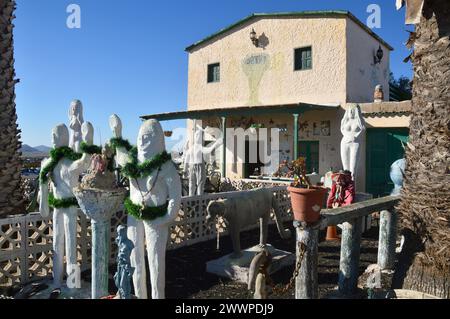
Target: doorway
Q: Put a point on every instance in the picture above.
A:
(384, 147)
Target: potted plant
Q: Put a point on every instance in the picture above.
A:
(307, 200)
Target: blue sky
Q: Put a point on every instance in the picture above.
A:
(128, 57)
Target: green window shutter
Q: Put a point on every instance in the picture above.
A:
(303, 59)
(214, 73)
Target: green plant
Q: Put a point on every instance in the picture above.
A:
(296, 170)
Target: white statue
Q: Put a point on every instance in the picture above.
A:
(76, 121)
(352, 126)
(193, 161)
(63, 170)
(155, 196)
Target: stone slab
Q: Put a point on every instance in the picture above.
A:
(238, 269)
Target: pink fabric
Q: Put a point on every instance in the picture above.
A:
(342, 195)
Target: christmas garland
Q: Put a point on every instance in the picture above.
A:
(90, 149)
(145, 213)
(61, 203)
(120, 142)
(135, 170)
(56, 155)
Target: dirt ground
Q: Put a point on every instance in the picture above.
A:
(187, 277)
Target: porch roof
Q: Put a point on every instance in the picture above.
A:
(386, 109)
(295, 108)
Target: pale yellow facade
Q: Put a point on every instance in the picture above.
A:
(342, 65)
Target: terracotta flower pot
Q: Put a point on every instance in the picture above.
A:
(307, 203)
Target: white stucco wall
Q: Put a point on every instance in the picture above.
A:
(275, 81)
(362, 75)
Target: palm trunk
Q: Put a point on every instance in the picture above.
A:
(11, 198)
(425, 204)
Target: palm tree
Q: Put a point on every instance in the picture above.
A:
(11, 198)
(425, 203)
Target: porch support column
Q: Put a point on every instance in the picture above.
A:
(296, 151)
(224, 147)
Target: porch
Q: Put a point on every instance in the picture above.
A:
(316, 126)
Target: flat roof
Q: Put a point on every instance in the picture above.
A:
(295, 108)
(299, 14)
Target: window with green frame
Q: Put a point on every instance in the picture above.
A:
(214, 72)
(303, 59)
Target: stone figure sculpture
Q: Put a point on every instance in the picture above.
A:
(124, 273)
(352, 126)
(76, 121)
(63, 169)
(194, 162)
(155, 196)
(258, 274)
(243, 210)
(397, 174)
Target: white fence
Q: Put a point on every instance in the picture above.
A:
(26, 240)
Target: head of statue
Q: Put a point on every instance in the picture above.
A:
(87, 131)
(76, 109)
(215, 208)
(121, 231)
(115, 124)
(150, 140)
(60, 136)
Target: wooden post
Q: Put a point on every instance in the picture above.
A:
(387, 239)
(349, 263)
(306, 284)
(224, 147)
(296, 152)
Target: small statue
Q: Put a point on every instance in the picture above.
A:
(194, 162)
(124, 273)
(397, 174)
(76, 121)
(352, 126)
(342, 191)
(243, 210)
(378, 96)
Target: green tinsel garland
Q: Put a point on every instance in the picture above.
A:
(120, 142)
(148, 213)
(135, 170)
(56, 155)
(61, 203)
(90, 149)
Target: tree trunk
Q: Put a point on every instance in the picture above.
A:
(11, 198)
(425, 204)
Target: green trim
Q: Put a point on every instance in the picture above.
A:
(135, 170)
(326, 13)
(56, 155)
(224, 147)
(90, 149)
(146, 213)
(298, 108)
(296, 150)
(61, 203)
